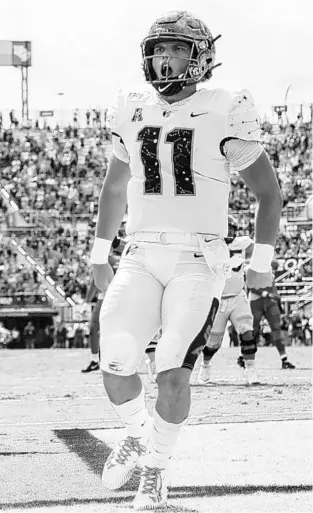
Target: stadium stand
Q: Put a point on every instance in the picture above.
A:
(49, 189)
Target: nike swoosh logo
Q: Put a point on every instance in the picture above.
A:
(211, 240)
(161, 89)
(193, 115)
(198, 255)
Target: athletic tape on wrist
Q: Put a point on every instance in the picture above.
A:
(262, 257)
(100, 251)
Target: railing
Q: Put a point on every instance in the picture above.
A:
(295, 292)
(44, 219)
(23, 300)
(295, 211)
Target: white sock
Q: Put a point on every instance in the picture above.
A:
(134, 415)
(94, 357)
(162, 441)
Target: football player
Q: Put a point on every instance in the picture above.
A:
(234, 306)
(173, 145)
(265, 302)
(95, 298)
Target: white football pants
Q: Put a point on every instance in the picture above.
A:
(156, 285)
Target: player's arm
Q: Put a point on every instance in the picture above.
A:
(112, 207)
(113, 195)
(243, 150)
(260, 178)
(113, 199)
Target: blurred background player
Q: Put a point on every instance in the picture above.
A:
(235, 307)
(265, 302)
(150, 357)
(95, 298)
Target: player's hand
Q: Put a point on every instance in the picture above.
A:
(102, 275)
(255, 280)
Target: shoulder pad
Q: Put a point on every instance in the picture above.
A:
(243, 121)
(117, 113)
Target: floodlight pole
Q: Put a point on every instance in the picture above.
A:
(25, 112)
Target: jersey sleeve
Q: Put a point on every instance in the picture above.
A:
(242, 154)
(241, 144)
(115, 117)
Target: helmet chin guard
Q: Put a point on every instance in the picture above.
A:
(180, 26)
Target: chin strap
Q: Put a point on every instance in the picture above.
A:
(169, 88)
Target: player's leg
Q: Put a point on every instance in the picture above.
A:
(129, 317)
(188, 310)
(94, 337)
(257, 311)
(272, 315)
(213, 343)
(242, 320)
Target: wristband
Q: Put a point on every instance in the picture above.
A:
(262, 257)
(100, 251)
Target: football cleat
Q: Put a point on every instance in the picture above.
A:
(150, 366)
(285, 364)
(93, 366)
(122, 462)
(204, 376)
(152, 492)
(250, 375)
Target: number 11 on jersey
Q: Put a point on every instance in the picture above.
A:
(182, 141)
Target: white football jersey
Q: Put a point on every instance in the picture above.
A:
(179, 177)
(237, 250)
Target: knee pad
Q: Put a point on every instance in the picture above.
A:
(208, 352)
(248, 344)
(119, 354)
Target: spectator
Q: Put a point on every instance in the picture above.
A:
(29, 335)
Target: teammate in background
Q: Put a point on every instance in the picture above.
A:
(173, 146)
(235, 307)
(94, 297)
(265, 302)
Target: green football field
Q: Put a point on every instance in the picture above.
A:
(244, 449)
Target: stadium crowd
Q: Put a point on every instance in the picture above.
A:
(55, 178)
